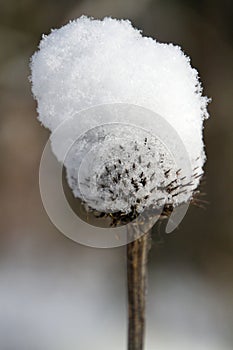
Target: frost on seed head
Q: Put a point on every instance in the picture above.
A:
(123, 170)
(94, 62)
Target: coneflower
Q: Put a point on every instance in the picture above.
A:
(124, 167)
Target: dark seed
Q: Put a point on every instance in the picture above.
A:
(143, 181)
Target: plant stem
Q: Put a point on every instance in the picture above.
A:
(137, 256)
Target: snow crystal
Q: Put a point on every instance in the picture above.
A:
(91, 62)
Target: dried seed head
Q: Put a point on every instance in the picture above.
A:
(120, 170)
(111, 176)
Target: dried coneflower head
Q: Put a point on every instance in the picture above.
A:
(92, 62)
(120, 173)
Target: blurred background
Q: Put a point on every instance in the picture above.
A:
(58, 295)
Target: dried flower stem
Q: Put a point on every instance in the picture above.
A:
(137, 256)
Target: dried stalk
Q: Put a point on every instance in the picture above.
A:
(137, 256)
